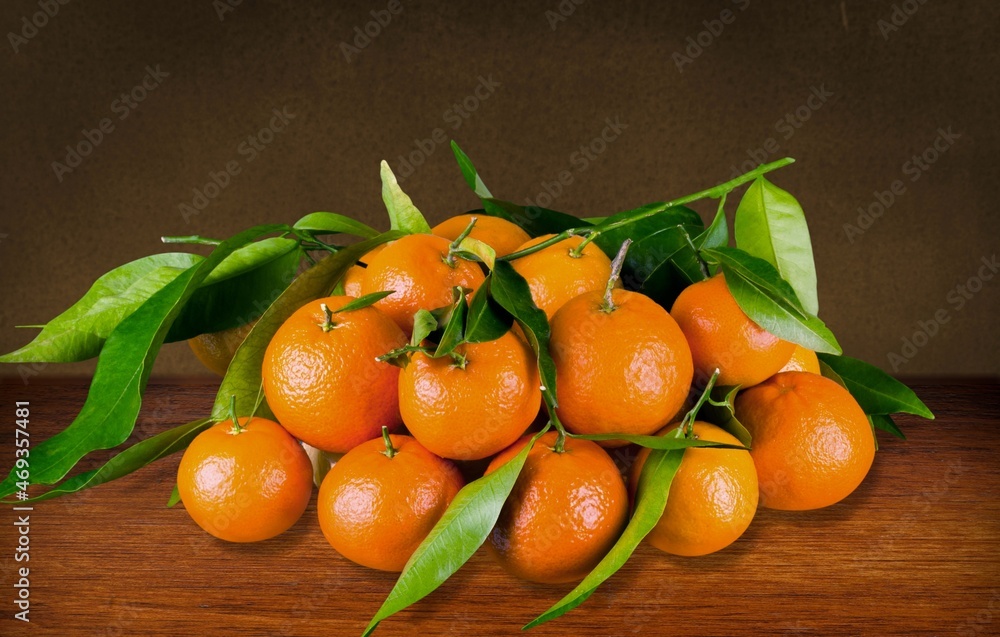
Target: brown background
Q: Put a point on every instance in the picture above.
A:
(685, 131)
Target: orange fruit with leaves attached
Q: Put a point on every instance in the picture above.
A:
(473, 404)
(421, 275)
(712, 498)
(802, 360)
(564, 514)
(623, 368)
(812, 443)
(321, 378)
(246, 483)
(501, 235)
(216, 349)
(558, 273)
(722, 336)
(375, 509)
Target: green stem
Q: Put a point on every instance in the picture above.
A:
(193, 239)
(705, 273)
(715, 192)
(687, 424)
(390, 451)
(237, 428)
(328, 323)
(577, 252)
(560, 445)
(454, 247)
(616, 272)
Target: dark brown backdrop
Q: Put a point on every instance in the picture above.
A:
(532, 90)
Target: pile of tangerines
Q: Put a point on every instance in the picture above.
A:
(343, 377)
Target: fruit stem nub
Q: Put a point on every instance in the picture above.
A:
(560, 445)
(390, 451)
(687, 424)
(328, 323)
(237, 428)
(454, 247)
(616, 272)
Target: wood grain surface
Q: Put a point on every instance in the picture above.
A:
(913, 552)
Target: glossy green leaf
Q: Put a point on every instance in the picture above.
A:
(769, 301)
(475, 250)
(827, 372)
(333, 223)
(651, 500)
(135, 457)
(424, 324)
(486, 320)
(109, 413)
(725, 415)
(403, 215)
(79, 333)
(458, 534)
(532, 219)
(454, 328)
(364, 301)
(237, 291)
(770, 224)
(469, 172)
(511, 292)
(683, 267)
(175, 495)
(666, 443)
(655, 239)
(243, 379)
(877, 392)
(886, 423)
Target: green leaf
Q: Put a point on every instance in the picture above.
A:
(79, 333)
(656, 239)
(232, 295)
(475, 250)
(886, 423)
(486, 320)
(364, 301)
(424, 324)
(469, 172)
(878, 393)
(827, 372)
(725, 416)
(109, 413)
(175, 497)
(651, 501)
(458, 534)
(511, 292)
(454, 329)
(333, 223)
(683, 267)
(243, 379)
(135, 457)
(403, 215)
(666, 443)
(770, 302)
(532, 219)
(770, 224)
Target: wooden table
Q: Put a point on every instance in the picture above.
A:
(915, 551)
